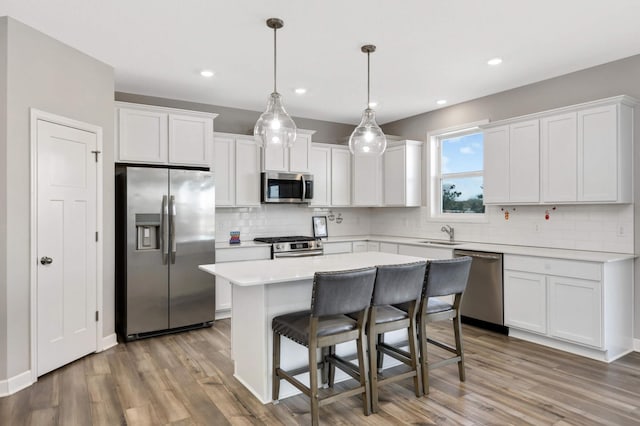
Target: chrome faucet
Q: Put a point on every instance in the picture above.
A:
(449, 230)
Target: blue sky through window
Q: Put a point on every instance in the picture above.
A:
(462, 154)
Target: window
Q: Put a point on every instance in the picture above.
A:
(457, 174)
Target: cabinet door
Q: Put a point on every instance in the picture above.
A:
(340, 177)
(367, 180)
(395, 189)
(300, 154)
(190, 140)
(276, 158)
(224, 171)
(524, 162)
(559, 147)
(321, 171)
(247, 166)
(142, 136)
(575, 310)
(598, 154)
(373, 246)
(496, 165)
(525, 301)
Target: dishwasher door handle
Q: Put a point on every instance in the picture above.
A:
(489, 256)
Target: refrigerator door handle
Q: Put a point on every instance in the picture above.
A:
(172, 227)
(164, 231)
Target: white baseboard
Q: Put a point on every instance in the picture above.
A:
(15, 383)
(109, 341)
(636, 345)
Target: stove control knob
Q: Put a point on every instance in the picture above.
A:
(278, 246)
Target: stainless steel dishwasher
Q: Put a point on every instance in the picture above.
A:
(482, 303)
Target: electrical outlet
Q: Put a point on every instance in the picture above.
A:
(537, 228)
(620, 231)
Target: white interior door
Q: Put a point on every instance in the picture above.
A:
(66, 245)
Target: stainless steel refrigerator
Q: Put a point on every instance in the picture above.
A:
(165, 228)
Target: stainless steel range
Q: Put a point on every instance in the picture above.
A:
(293, 246)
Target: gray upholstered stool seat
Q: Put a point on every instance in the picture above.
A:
(325, 325)
(388, 314)
(296, 325)
(433, 306)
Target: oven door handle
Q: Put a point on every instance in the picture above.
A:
(298, 254)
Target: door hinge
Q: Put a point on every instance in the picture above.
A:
(96, 154)
(97, 316)
(96, 235)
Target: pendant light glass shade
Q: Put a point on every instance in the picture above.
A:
(275, 127)
(368, 138)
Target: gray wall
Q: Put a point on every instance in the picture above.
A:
(615, 78)
(45, 74)
(3, 196)
(234, 120)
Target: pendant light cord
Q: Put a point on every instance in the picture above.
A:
(275, 53)
(368, 80)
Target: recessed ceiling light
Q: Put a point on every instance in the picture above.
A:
(300, 91)
(207, 73)
(441, 101)
(373, 104)
(494, 61)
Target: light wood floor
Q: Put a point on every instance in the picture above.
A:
(187, 379)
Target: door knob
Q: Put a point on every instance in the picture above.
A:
(45, 260)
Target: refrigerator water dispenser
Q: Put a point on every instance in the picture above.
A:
(148, 231)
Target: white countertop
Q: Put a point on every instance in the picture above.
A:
(260, 272)
(589, 256)
(243, 244)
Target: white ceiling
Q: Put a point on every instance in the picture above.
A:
(427, 49)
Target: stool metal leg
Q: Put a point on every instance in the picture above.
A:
(364, 374)
(313, 382)
(423, 354)
(415, 362)
(373, 362)
(459, 350)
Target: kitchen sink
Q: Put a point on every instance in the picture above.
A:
(440, 243)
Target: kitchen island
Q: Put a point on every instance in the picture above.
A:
(263, 289)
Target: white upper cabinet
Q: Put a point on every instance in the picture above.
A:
(559, 147)
(157, 135)
(237, 170)
(295, 159)
(402, 174)
(321, 171)
(340, 176)
(511, 163)
(584, 155)
(367, 180)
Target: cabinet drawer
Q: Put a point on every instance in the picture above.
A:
(334, 248)
(560, 267)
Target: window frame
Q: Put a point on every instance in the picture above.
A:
(434, 176)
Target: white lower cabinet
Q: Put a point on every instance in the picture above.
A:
(223, 287)
(389, 248)
(577, 306)
(525, 296)
(373, 246)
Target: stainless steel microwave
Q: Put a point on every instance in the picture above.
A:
(289, 188)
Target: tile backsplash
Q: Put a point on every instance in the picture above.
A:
(272, 220)
(581, 227)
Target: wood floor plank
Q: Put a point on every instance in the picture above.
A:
(187, 379)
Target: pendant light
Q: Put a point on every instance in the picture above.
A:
(275, 127)
(367, 138)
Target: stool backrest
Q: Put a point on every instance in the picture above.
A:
(398, 283)
(447, 276)
(342, 292)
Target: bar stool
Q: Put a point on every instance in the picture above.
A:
(394, 284)
(326, 324)
(443, 278)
